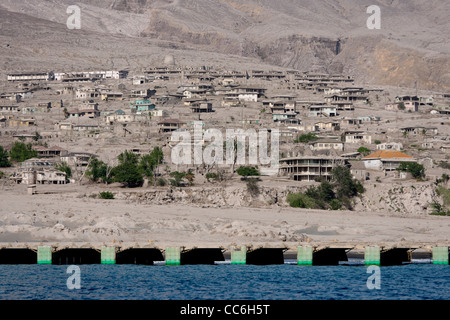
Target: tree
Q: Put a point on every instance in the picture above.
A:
(401, 106)
(364, 151)
(301, 200)
(128, 157)
(4, 158)
(247, 171)
(128, 170)
(417, 170)
(150, 162)
(21, 152)
(177, 178)
(37, 136)
(305, 138)
(97, 170)
(63, 167)
(346, 187)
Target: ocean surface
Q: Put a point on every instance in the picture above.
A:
(224, 282)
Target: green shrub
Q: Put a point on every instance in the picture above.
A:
(301, 200)
(335, 204)
(21, 152)
(63, 167)
(445, 165)
(417, 170)
(177, 178)
(161, 182)
(438, 209)
(211, 175)
(247, 171)
(106, 195)
(307, 137)
(4, 158)
(364, 151)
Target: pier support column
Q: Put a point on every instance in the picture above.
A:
(173, 256)
(372, 255)
(305, 255)
(44, 255)
(108, 255)
(239, 255)
(440, 255)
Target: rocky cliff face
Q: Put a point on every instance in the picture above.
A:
(399, 200)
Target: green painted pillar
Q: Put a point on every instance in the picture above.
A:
(108, 255)
(372, 255)
(239, 255)
(44, 255)
(173, 256)
(440, 255)
(305, 255)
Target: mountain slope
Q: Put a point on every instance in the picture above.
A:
(411, 46)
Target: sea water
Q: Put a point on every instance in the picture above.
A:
(224, 282)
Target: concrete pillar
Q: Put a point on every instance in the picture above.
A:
(44, 255)
(173, 256)
(239, 255)
(372, 255)
(440, 255)
(31, 189)
(108, 255)
(305, 255)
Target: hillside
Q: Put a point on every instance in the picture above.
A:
(411, 46)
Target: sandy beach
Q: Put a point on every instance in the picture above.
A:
(64, 215)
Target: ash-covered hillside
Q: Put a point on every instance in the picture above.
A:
(411, 47)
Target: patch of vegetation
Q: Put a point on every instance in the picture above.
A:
(332, 195)
(438, 209)
(445, 194)
(128, 171)
(4, 158)
(417, 170)
(364, 151)
(131, 168)
(161, 182)
(97, 171)
(21, 152)
(301, 200)
(444, 165)
(307, 137)
(64, 167)
(247, 171)
(148, 163)
(216, 176)
(106, 195)
(179, 177)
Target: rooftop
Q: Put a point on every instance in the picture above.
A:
(388, 154)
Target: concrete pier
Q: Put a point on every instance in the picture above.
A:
(44, 255)
(173, 256)
(238, 255)
(304, 254)
(108, 255)
(440, 255)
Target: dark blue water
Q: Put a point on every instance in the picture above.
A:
(224, 282)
